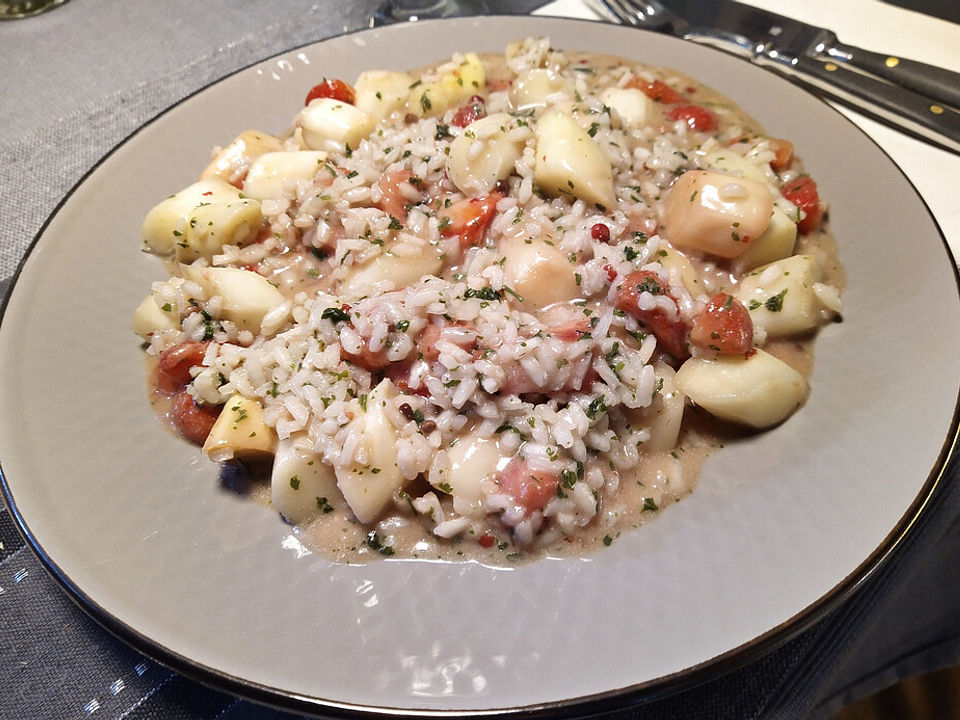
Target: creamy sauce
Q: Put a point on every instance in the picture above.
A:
(659, 479)
(640, 496)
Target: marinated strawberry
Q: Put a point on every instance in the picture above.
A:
(334, 89)
(724, 326)
(666, 324)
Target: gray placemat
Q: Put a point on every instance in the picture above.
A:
(55, 662)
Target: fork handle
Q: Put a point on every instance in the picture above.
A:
(935, 82)
(895, 106)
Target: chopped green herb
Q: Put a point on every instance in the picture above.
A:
(597, 405)
(324, 505)
(484, 293)
(614, 351)
(513, 292)
(658, 388)
(375, 543)
(775, 303)
(335, 315)
(650, 285)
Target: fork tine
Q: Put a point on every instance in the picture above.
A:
(604, 10)
(627, 11)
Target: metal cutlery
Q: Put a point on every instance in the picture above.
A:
(808, 55)
(805, 39)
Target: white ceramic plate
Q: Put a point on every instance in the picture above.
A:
(135, 525)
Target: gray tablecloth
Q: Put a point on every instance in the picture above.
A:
(74, 83)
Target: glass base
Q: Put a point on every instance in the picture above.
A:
(396, 11)
(13, 9)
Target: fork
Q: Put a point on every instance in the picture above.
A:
(651, 15)
(640, 13)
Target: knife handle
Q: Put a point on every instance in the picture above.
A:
(930, 80)
(895, 106)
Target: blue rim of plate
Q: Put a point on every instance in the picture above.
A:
(619, 699)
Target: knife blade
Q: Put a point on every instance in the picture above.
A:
(800, 38)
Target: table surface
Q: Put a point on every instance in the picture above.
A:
(71, 92)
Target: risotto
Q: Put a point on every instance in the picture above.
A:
(481, 310)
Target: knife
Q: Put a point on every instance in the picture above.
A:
(898, 107)
(799, 38)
